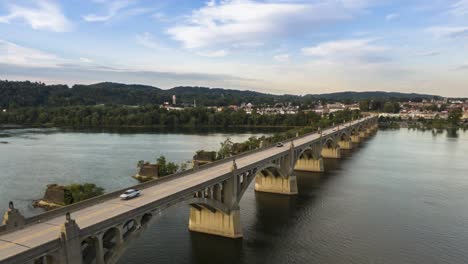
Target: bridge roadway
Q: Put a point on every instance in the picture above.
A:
(38, 234)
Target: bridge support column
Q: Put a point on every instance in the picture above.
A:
(215, 222)
(362, 135)
(313, 165)
(99, 246)
(331, 153)
(345, 144)
(70, 238)
(279, 184)
(355, 139)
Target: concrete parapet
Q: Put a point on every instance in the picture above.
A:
(313, 165)
(272, 184)
(345, 144)
(331, 153)
(215, 223)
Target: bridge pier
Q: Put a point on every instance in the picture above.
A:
(346, 144)
(276, 184)
(215, 222)
(312, 165)
(331, 153)
(355, 139)
(278, 177)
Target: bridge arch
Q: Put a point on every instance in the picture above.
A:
(144, 219)
(310, 159)
(46, 259)
(128, 228)
(88, 249)
(274, 178)
(331, 149)
(111, 239)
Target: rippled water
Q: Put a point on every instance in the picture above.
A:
(34, 158)
(401, 197)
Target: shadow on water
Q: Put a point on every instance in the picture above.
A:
(214, 249)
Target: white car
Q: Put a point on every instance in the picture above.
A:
(279, 144)
(130, 194)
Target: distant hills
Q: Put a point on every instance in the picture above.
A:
(24, 94)
(356, 96)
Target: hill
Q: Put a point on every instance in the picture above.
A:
(27, 94)
(377, 95)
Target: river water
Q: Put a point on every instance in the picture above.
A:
(401, 197)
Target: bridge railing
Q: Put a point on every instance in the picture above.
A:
(115, 194)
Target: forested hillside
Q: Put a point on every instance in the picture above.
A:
(33, 94)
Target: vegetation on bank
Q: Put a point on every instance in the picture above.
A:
(229, 148)
(155, 116)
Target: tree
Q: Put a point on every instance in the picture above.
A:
(364, 105)
(455, 116)
(166, 168)
(226, 149)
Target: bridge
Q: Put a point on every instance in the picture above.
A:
(99, 229)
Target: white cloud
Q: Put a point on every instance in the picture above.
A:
(392, 16)
(460, 8)
(44, 15)
(11, 53)
(116, 8)
(351, 50)
(427, 53)
(238, 21)
(213, 54)
(86, 60)
(147, 40)
(448, 32)
(281, 58)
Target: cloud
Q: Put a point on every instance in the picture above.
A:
(281, 58)
(114, 9)
(75, 73)
(459, 8)
(428, 53)
(462, 67)
(147, 40)
(448, 32)
(392, 16)
(350, 50)
(44, 15)
(230, 22)
(11, 53)
(213, 54)
(86, 60)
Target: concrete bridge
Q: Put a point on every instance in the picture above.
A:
(98, 230)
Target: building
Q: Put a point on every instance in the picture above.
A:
(174, 100)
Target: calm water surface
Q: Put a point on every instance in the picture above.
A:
(401, 197)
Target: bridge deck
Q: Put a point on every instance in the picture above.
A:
(38, 234)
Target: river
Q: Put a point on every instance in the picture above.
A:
(401, 197)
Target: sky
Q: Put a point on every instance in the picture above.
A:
(274, 46)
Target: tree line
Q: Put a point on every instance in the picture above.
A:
(155, 116)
